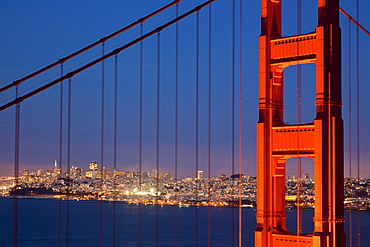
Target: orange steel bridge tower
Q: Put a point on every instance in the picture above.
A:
(321, 140)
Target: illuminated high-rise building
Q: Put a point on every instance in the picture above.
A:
(58, 171)
(200, 175)
(93, 170)
(55, 165)
(76, 171)
(40, 172)
(155, 173)
(93, 166)
(25, 175)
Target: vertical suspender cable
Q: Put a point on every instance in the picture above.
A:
(350, 132)
(358, 113)
(299, 120)
(196, 126)
(157, 137)
(141, 108)
(233, 123)
(68, 156)
(240, 190)
(102, 145)
(140, 130)
(115, 149)
(16, 170)
(209, 119)
(176, 119)
(60, 153)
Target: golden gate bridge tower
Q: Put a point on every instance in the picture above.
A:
(321, 140)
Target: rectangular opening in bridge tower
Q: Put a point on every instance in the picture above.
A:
(320, 139)
(308, 94)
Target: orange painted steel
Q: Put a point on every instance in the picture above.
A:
(321, 140)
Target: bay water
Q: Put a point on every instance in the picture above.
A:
(90, 221)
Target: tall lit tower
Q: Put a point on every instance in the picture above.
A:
(321, 140)
(93, 166)
(57, 171)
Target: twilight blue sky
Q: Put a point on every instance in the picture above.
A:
(35, 33)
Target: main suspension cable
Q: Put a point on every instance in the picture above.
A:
(354, 21)
(102, 40)
(100, 59)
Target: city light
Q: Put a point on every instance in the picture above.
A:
(133, 187)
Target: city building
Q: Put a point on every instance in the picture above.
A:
(93, 166)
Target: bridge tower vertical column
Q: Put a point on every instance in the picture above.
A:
(321, 140)
(270, 188)
(329, 210)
